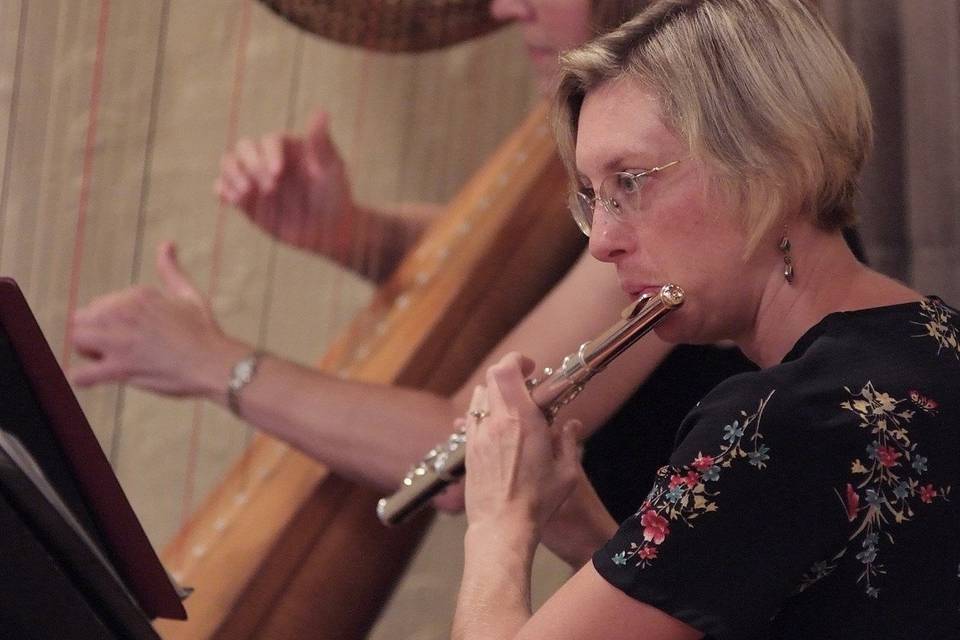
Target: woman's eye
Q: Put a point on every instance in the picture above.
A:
(627, 184)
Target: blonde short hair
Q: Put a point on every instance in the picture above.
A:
(759, 90)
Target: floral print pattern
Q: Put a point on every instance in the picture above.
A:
(940, 323)
(887, 486)
(864, 453)
(683, 494)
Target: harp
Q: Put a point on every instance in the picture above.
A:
(283, 547)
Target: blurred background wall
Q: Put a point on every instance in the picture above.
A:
(909, 54)
(113, 116)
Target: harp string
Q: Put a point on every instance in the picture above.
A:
(267, 299)
(12, 110)
(216, 253)
(145, 184)
(366, 236)
(86, 176)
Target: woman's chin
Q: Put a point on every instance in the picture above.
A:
(547, 76)
(679, 328)
(671, 330)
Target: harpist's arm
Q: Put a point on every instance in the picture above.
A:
(167, 340)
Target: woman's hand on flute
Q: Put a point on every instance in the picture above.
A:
(519, 471)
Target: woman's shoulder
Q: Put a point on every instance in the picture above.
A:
(925, 329)
(901, 347)
(907, 353)
(886, 342)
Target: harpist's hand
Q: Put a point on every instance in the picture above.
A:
(163, 340)
(518, 470)
(294, 188)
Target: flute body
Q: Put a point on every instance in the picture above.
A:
(551, 391)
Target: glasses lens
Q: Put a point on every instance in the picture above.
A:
(621, 193)
(581, 207)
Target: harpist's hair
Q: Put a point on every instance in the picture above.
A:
(760, 91)
(607, 14)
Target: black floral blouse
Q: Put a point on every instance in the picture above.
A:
(814, 499)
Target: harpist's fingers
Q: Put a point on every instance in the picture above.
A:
(234, 184)
(175, 281)
(272, 147)
(97, 372)
(89, 340)
(320, 150)
(108, 310)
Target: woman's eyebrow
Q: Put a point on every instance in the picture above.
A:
(632, 159)
(628, 159)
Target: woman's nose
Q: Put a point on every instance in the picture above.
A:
(505, 10)
(610, 239)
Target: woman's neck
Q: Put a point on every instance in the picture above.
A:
(827, 278)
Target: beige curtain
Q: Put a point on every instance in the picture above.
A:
(909, 53)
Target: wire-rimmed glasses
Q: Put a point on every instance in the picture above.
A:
(619, 194)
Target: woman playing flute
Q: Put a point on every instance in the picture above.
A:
(716, 144)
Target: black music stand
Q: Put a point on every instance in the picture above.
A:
(74, 560)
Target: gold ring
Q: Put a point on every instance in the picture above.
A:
(479, 414)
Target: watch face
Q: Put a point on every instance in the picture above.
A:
(245, 370)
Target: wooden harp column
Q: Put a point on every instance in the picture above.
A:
(285, 549)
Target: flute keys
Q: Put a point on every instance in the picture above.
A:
(440, 462)
(534, 381)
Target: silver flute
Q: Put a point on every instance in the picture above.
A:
(550, 391)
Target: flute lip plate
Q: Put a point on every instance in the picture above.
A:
(635, 307)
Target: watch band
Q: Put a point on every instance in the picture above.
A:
(240, 376)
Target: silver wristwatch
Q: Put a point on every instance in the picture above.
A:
(240, 376)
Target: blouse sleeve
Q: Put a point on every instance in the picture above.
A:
(745, 507)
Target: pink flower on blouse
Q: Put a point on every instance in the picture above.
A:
(648, 553)
(888, 456)
(655, 528)
(702, 462)
(690, 479)
(927, 494)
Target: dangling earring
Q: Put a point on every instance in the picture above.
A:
(787, 259)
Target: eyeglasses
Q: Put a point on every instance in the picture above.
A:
(619, 194)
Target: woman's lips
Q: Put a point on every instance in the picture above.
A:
(637, 290)
(541, 54)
